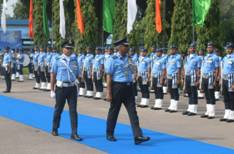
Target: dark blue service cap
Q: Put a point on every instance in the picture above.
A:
(229, 45)
(99, 48)
(68, 44)
(142, 49)
(210, 44)
(192, 45)
(173, 46)
(159, 50)
(121, 42)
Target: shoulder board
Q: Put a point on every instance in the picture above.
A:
(114, 57)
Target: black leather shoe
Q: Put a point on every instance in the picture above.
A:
(185, 112)
(167, 110)
(142, 106)
(76, 137)
(209, 117)
(54, 133)
(204, 116)
(230, 121)
(223, 119)
(156, 108)
(6, 91)
(172, 111)
(191, 114)
(111, 138)
(140, 139)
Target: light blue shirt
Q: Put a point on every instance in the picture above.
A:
(7, 59)
(118, 68)
(201, 58)
(192, 64)
(48, 58)
(35, 58)
(65, 68)
(41, 58)
(88, 62)
(20, 59)
(158, 65)
(173, 64)
(98, 62)
(228, 64)
(143, 64)
(134, 58)
(210, 63)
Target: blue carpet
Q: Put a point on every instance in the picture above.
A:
(93, 131)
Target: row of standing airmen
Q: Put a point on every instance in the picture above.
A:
(201, 74)
(162, 72)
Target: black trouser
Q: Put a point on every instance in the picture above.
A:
(158, 91)
(144, 88)
(47, 72)
(37, 76)
(134, 88)
(122, 93)
(68, 94)
(88, 82)
(98, 83)
(13, 69)
(30, 68)
(228, 96)
(7, 76)
(191, 90)
(209, 93)
(20, 69)
(42, 75)
(82, 84)
(174, 92)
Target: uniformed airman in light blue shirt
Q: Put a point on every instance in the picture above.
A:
(66, 69)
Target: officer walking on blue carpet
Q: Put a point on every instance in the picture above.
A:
(64, 87)
(119, 90)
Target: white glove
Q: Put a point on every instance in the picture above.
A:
(52, 94)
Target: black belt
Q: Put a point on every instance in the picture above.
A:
(123, 83)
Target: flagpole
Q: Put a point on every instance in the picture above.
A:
(193, 33)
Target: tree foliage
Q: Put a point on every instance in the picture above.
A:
(120, 20)
(211, 29)
(90, 37)
(181, 28)
(55, 24)
(39, 36)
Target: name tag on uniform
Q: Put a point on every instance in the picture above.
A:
(209, 60)
(157, 63)
(172, 62)
(230, 62)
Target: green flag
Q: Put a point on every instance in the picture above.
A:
(108, 15)
(45, 19)
(200, 10)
